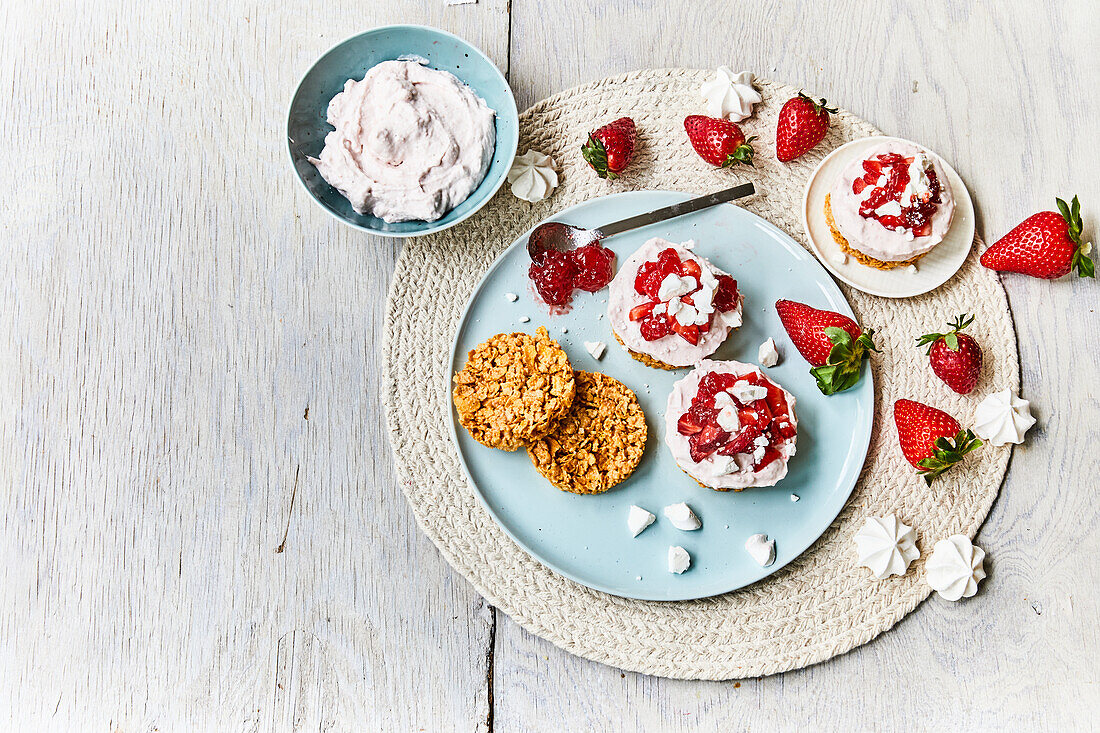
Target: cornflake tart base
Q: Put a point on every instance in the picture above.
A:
(598, 443)
(513, 388)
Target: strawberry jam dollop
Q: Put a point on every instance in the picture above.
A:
(658, 317)
(763, 424)
(557, 273)
(901, 192)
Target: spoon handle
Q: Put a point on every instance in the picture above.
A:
(684, 207)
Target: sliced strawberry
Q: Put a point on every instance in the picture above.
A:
(725, 294)
(743, 442)
(688, 424)
(770, 455)
(639, 312)
(690, 333)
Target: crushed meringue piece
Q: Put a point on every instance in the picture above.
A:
(678, 559)
(762, 549)
(595, 348)
(511, 296)
(638, 519)
(767, 354)
(681, 517)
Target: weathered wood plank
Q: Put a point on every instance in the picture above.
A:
(172, 306)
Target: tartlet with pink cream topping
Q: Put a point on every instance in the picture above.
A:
(730, 427)
(891, 207)
(670, 307)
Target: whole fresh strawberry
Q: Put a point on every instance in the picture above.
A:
(802, 125)
(1046, 245)
(610, 148)
(931, 440)
(719, 142)
(833, 343)
(956, 357)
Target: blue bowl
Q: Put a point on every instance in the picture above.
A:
(307, 125)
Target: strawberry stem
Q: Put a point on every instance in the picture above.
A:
(951, 337)
(1081, 261)
(742, 154)
(595, 154)
(946, 453)
(842, 369)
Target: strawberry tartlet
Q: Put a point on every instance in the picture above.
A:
(891, 207)
(730, 427)
(670, 307)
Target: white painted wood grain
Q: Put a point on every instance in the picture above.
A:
(171, 304)
(989, 87)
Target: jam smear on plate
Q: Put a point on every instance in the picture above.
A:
(557, 273)
(768, 417)
(648, 281)
(915, 215)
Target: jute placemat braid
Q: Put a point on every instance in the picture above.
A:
(820, 605)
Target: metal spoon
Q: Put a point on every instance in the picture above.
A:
(555, 235)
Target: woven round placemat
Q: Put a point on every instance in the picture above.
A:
(820, 605)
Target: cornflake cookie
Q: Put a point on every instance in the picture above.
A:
(859, 256)
(513, 388)
(598, 443)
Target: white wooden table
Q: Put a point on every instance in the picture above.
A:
(200, 526)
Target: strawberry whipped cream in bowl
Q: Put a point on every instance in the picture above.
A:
(730, 427)
(892, 206)
(670, 307)
(403, 130)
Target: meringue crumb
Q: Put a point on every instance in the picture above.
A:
(524, 319)
(794, 497)
(595, 348)
(511, 296)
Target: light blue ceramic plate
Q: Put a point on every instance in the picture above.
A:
(307, 125)
(585, 537)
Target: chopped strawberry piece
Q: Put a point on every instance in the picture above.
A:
(688, 424)
(706, 441)
(872, 166)
(725, 294)
(690, 333)
(648, 280)
(668, 261)
(770, 455)
(639, 312)
(655, 327)
(691, 268)
(858, 185)
(743, 442)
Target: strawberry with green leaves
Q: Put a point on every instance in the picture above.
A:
(955, 357)
(718, 142)
(931, 440)
(1046, 245)
(834, 344)
(610, 148)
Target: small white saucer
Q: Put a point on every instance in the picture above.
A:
(932, 270)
